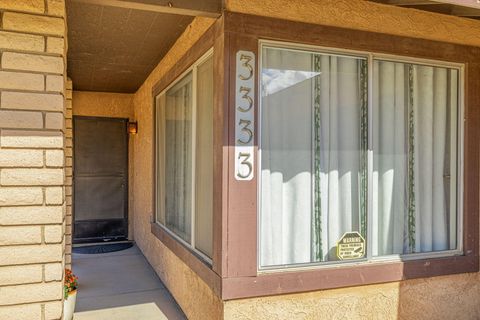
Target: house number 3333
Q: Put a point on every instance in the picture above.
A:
(244, 115)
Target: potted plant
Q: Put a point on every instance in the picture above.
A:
(70, 294)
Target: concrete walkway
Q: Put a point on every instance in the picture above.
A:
(121, 286)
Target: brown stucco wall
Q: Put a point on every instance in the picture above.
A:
(110, 105)
(194, 296)
(448, 297)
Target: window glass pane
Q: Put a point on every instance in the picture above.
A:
(204, 158)
(313, 154)
(415, 158)
(178, 158)
(160, 160)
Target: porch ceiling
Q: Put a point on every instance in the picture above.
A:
(461, 8)
(113, 45)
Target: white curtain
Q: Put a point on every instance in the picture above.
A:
(314, 144)
(390, 159)
(413, 133)
(286, 186)
(308, 202)
(340, 140)
(178, 158)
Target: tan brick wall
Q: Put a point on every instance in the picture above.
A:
(32, 174)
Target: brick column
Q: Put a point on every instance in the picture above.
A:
(32, 197)
(68, 173)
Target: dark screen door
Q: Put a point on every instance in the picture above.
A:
(100, 178)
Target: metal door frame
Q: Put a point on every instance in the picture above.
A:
(126, 193)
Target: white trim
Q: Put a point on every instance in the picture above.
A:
(370, 160)
(370, 57)
(307, 48)
(160, 97)
(258, 164)
(202, 59)
(185, 243)
(193, 205)
(460, 153)
(359, 262)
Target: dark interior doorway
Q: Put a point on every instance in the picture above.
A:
(100, 184)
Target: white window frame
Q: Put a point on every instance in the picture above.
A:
(370, 57)
(159, 203)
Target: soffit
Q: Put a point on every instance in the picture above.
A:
(113, 48)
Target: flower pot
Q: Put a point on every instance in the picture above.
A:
(69, 305)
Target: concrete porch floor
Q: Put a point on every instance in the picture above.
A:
(122, 286)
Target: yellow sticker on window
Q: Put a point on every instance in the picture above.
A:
(351, 246)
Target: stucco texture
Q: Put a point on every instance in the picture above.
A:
(193, 295)
(110, 105)
(367, 16)
(103, 104)
(448, 297)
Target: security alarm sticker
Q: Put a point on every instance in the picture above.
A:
(351, 246)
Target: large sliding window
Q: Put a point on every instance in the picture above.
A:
(184, 137)
(359, 157)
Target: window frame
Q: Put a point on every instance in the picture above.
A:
(159, 188)
(370, 57)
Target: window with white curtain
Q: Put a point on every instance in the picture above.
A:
(184, 157)
(354, 143)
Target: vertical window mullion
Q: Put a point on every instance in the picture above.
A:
(194, 155)
(370, 159)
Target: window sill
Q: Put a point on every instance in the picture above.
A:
(288, 281)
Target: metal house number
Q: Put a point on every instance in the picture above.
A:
(244, 115)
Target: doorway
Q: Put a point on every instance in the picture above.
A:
(100, 179)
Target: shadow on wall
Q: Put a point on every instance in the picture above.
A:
(444, 297)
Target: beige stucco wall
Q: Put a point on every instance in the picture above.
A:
(193, 295)
(110, 105)
(103, 104)
(448, 297)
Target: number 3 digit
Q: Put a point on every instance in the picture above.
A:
(246, 63)
(244, 124)
(245, 162)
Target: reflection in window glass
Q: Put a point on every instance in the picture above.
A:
(414, 162)
(184, 158)
(314, 158)
(313, 154)
(178, 158)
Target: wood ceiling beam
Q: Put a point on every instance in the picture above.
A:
(408, 2)
(204, 8)
(465, 12)
(475, 4)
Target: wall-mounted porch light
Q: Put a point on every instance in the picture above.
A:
(132, 127)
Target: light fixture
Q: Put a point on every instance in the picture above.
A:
(132, 127)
